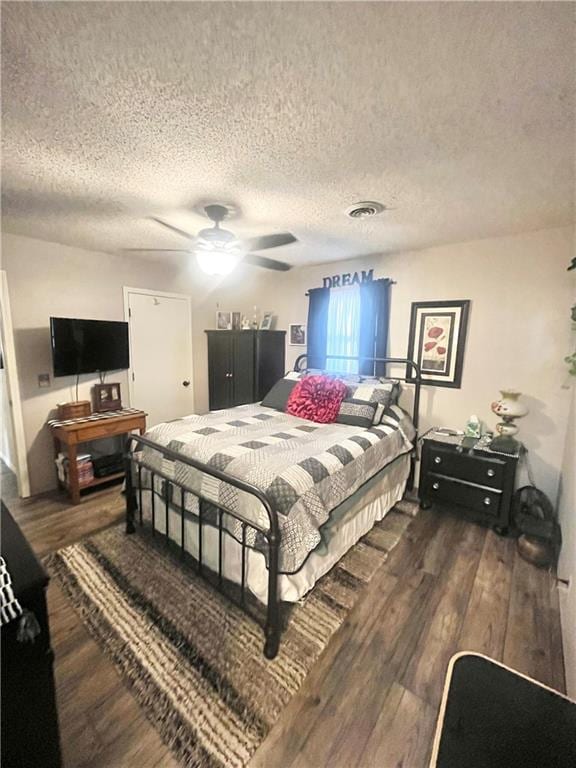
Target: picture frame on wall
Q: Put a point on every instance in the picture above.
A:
(297, 334)
(223, 321)
(436, 341)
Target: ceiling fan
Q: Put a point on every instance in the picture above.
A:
(218, 250)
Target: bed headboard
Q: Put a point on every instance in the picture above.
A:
(411, 376)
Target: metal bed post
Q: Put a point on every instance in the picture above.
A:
(272, 627)
(272, 534)
(129, 490)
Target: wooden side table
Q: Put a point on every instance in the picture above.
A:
(74, 432)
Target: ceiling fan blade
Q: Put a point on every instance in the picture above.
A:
(155, 250)
(173, 228)
(269, 241)
(263, 261)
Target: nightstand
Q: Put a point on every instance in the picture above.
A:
(465, 473)
(74, 432)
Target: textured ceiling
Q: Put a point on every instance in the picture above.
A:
(459, 116)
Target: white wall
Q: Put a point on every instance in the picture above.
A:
(47, 279)
(567, 562)
(567, 517)
(517, 336)
(518, 332)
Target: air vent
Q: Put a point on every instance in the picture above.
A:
(365, 209)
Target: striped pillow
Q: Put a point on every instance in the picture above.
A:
(356, 413)
(380, 393)
(397, 417)
(393, 383)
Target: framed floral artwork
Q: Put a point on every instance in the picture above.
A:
(437, 339)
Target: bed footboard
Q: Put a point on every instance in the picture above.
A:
(174, 496)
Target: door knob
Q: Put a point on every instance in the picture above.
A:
(186, 383)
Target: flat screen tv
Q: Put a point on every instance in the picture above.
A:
(88, 346)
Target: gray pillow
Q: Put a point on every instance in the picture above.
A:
(279, 394)
(356, 413)
(394, 384)
(375, 392)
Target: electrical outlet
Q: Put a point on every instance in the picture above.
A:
(43, 380)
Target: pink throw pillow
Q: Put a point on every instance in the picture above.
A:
(317, 398)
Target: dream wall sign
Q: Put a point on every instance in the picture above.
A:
(348, 278)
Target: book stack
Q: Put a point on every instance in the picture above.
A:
(85, 468)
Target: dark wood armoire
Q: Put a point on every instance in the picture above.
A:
(243, 365)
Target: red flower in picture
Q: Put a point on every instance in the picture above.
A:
(441, 350)
(435, 332)
(429, 345)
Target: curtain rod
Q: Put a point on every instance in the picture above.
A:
(392, 282)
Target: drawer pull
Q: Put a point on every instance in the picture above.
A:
(437, 460)
(487, 501)
(435, 486)
(490, 473)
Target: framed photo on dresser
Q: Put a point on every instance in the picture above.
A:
(224, 321)
(107, 397)
(437, 339)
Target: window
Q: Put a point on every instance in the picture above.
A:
(349, 322)
(343, 331)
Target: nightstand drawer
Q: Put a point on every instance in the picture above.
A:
(445, 489)
(474, 469)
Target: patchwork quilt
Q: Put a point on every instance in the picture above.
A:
(305, 469)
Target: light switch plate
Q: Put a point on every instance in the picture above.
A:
(43, 380)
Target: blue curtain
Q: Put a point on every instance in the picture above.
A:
(375, 314)
(317, 327)
(343, 336)
(351, 322)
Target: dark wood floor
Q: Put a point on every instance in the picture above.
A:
(372, 699)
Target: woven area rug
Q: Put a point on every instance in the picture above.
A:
(192, 659)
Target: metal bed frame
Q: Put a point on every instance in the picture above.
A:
(170, 490)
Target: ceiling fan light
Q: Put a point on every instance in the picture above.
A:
(218, 258)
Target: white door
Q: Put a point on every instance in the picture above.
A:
(160, 375)
(11, 394)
